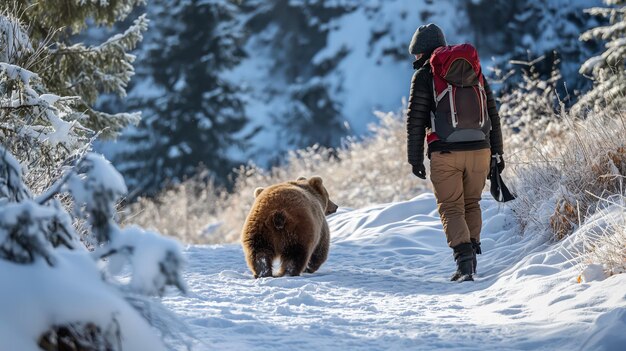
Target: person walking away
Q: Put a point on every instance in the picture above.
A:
(453, 108)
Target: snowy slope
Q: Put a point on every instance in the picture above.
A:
(385, 287)
(374, 75)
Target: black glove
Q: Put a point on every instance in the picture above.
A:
(419, 171)
(499, 161)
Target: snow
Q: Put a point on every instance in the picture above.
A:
(99, 176)
(593, 272)
(144, 250)
(355, 84)
(68, 292)
(367, 68)
(385, 286)
(49, 279)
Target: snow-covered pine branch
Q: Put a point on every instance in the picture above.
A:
(27, 230)
(38, 244)
(43, 129)
(11, 187)
(69, 69)
(39, 128)
(74, 14)
(609, 68)
(95, 69)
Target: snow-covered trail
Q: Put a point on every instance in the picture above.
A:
(385, 287)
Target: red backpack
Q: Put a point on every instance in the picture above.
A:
(460, 99)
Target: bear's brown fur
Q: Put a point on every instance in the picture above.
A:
(287, 220)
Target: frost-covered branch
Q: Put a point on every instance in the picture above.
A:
(74, 69)
(28, 230)
(39, 128)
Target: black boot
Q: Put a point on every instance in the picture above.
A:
(464, 257)
(477, 251)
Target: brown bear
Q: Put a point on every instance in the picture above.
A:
(287, 220)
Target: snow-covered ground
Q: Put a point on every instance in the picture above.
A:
(385, 287)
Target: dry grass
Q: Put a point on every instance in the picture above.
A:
(601, 240)
(607, 245)
(558, 178)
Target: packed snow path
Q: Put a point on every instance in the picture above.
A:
(385, 287)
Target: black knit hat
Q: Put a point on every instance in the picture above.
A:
(426, 39)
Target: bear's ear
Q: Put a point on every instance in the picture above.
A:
(300, 178)
(257, 191)
(316, 182)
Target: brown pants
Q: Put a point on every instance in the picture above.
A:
(458, 179)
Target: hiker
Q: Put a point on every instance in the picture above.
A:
(452, 106)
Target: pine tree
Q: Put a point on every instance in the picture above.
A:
(195, 118)
(608, 70)
(68, 69)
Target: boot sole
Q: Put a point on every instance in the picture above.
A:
(462, 278)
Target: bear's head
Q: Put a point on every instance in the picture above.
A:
(316, 184)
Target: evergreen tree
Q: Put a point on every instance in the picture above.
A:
(192, 113)
(608, 69)
(68, 69)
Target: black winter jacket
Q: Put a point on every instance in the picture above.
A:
(421, 103)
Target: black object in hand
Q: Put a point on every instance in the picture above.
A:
(498, 189)
(419, 171)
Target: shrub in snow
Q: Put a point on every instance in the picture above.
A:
(560, 176)
(529, 112)
(562, 168)
(360, 173)
(561, 184)
(557, 187)
(50, 277)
